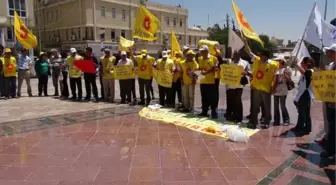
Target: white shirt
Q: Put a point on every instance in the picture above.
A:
(282, 89)
(126, 62)
(302, 88)
(246, 67)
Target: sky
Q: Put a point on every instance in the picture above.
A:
(284, 19)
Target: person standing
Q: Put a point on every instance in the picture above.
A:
(177, 86)
(144, 63)
(55, 62)
(90, 78)
(64, 78)
(75, 75)
(263, 79)
(304, 97)
(220, 60)
(100, 72)
(42, 70)
(1, 72)
(24, 72)
(234, 93)
(280, 91)
(188, 67)
(126, 84)
(133, 91)
(329, 147)
(9, 69)
(165, 93)
(107, 65)
(208, 64)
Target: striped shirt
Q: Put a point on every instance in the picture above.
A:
(24, 62)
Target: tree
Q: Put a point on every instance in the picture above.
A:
(233, 25)
(227, 25)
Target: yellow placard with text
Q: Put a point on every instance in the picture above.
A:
(324, 84)
(164, 79)
(231, 74)
(123, 72)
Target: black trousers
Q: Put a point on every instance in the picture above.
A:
(217, 80)
(65, 87)
(304, 120)
(125, 90)
(2, 84)
(101, 86)
(144, 86)
(90, 80)
(177, 89)
(165, 95)
(208, 96)
(73, 83)
(331, 114)
(43, 85)
(151, 87)
(234, 109)
(10, 86)
(133, 90)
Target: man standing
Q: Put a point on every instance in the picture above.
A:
(90, 78)
(177, 86)
(55, 62)
(208, 65)
(75, 75)
(24, 66)
(126, 84)
(9, 71)
(107, 65)
(263, 79)
(1, 73)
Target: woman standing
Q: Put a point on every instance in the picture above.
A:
(280, 91)
(42, 71)
(304, 97)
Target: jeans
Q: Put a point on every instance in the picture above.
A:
(304, 120)
(90, 80)
(144, 86)
(177, 89)
(10, 86)
(43, 85)
(73, 83)
(280, 101)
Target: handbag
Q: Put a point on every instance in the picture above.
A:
(244, 80)
(290, 84)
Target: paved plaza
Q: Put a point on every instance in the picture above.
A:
(47, 141)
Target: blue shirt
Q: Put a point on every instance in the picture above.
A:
(24, 62)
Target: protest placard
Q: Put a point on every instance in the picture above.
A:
(324, 84)
(231, 74)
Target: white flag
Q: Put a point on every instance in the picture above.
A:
(319, 32)
(235, 41)
(300, 51)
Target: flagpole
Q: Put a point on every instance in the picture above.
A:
(321, 54)
(39, 22)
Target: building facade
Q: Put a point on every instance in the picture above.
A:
(99, 23)
(25, 10)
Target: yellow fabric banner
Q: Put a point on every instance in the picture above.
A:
(175, 46)
(230, 74)
(191, 121)
(245, 27)
(125, 44)
(324, 84)
(23, 35)
(146, 25)
(123, 72)
(163, 78)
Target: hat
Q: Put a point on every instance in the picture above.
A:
(280, 58)
(332, 48)
(73, 50)
(168, 51)
(53, 50)
(185, 48)
(107, 50)
(180, 53)
(8, 50)
(42, 53)
(204, 48)
(190, 52)
(123, 53)
(164, 54)
(143, 52)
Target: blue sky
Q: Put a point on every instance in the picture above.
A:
(280, 18)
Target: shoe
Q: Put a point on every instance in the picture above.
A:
(214, 115)
(87, 99)
(73, 98)
(325, 154)
(56, 94)
(39, 95)
(203, 114)
(276, 124)
(251, 126)
(122, 102)
(141, 103)
(186, 110)
(79, 99)
(286, 123)
(30, 95)
(46, 95)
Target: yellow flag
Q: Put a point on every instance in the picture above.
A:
(245, 27)
(175, 46)
(125, 44)
(146, 25)
(23, 35)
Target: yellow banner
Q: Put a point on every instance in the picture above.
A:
(190, 121)
(125, 44)
(231, 74)
(324, 84)
(175, 46)
(164, 79)
(23, 35)
(123, 72)
(146, 25)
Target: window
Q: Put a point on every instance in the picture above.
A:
(66, 34)
(189, 40)
(56, 14)
(113, 13)
(102, 11)
(51, 16)
(181, 23)
(87, 33)
(79, 34)
(17, 5)
(167, 21)
(113, 36)
(10, 34)
(123, 33)
(102, 33)
(174, 21)
(123, 15)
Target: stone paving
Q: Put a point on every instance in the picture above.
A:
(46, 141)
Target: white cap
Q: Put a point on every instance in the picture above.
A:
(164, 54)
(332, 47)
(280, 58)
(123, 53)
(73, 50)
(204, 48)
(185, 48)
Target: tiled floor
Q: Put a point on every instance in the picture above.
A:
(114, 146)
